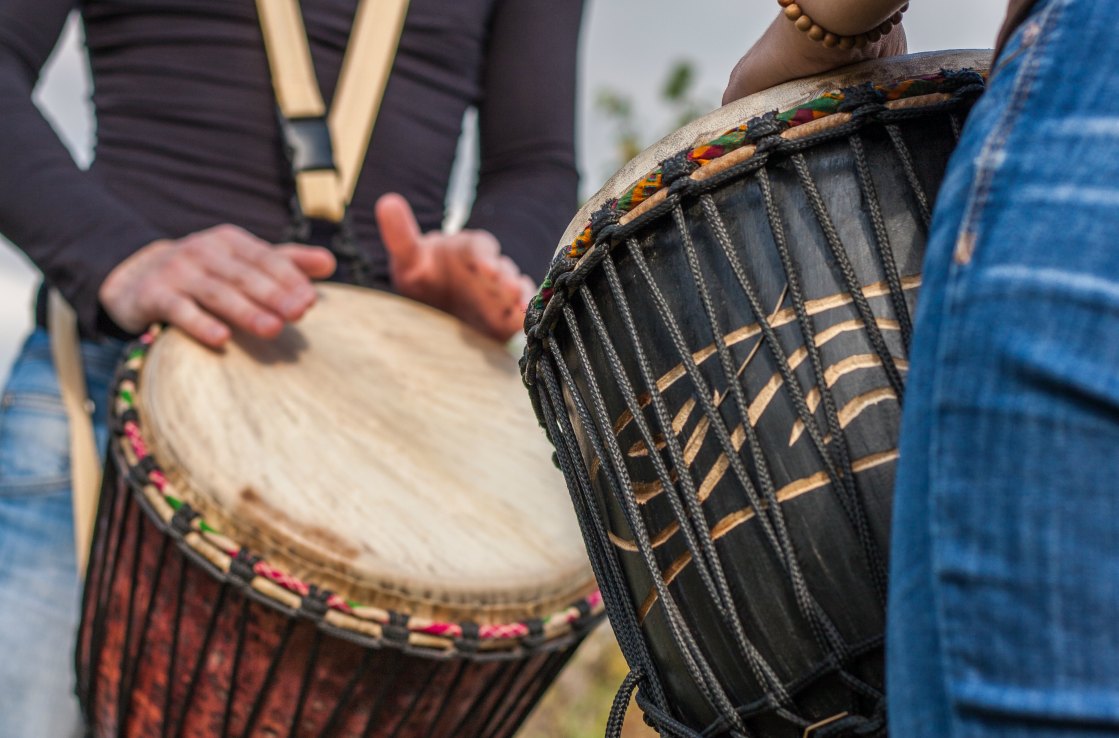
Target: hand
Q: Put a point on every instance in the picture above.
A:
(463, 273)
(783, 53)
(214, 280)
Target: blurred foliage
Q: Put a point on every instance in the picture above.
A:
(578, 704)
(632, 131)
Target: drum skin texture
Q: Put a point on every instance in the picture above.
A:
(305, 537)
(719, 358)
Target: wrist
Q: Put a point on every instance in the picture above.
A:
(844, 25)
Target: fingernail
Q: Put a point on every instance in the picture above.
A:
(296, 303)
(265, 323)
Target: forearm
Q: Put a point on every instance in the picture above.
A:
(62, 218)
(527, 187)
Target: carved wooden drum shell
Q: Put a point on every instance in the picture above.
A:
(719, 356)
(354, 530)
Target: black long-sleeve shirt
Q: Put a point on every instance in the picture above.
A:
(187, 135)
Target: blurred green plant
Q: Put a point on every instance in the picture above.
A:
(632, 131)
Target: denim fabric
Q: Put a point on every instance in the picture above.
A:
(39, 587)
(1004, 604)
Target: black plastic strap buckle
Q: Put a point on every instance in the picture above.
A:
(308, 143)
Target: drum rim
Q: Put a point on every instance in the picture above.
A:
(231, 563)
(707, 165)
(789, 95)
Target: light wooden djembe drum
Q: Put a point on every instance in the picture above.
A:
(353, 530)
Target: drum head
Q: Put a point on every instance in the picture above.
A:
(782, 97)
(377, 448)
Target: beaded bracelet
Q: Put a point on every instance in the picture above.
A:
(816, 32)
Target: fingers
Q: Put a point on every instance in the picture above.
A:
(231, 306)
(315, 262)
(400, 233)
(212, 281)
(183, 312)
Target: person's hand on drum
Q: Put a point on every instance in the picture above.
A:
(464, 273)
(214, 280)
(785, 53)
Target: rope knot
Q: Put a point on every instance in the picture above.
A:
(678, 166)
(605, 216)
(956, 80)
(861, 99)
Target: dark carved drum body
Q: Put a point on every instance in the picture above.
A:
(719, 357)
(312, 537)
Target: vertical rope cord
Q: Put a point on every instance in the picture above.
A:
(231, 693)
(684, 506)
(407, 711)
(553, 664)
(846, 489)
(847, 270)
(200, 662)
(305, 684)
(882, 241)
(761, 506)
(172, 672)
(839, 477)
(130, 676)
(826, 634)
(503, 677)
(829, 641)
(617, 717)
(722, 596)
(715, 582)
(906, 159)
(608, 570)
(332, 722)
(699, 669)
(448, 693)
(392, 670)
(124, 697)
(119, 508)
(265, 688)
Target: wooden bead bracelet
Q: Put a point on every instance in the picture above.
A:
(816, 32)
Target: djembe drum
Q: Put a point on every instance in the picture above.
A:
(353, 530)
(718, 356)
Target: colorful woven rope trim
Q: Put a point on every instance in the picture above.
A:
(736, 138)
(553, 625)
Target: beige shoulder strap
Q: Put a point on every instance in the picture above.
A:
(85, 461)
(361, 86)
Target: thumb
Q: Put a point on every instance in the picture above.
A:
(399, 231)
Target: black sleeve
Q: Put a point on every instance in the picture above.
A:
(527, 183)
(63, 218)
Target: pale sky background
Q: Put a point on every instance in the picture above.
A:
(627, 46)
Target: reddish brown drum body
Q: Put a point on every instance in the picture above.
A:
(186, 632)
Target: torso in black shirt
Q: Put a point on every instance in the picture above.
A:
(187, 135)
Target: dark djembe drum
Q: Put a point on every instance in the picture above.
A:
(719, 357)
(352, 531)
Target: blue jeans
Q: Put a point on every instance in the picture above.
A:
(1004, 604)
(39, 588)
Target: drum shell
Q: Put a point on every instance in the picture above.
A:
(150, 600)
(633, 330)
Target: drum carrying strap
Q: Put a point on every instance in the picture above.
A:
(328, 150)
(85, 463)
